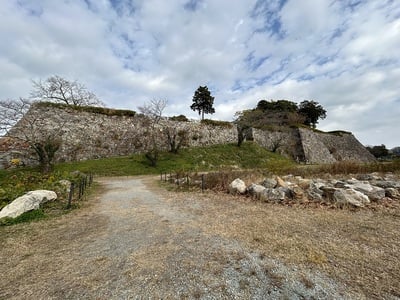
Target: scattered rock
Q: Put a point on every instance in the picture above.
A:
(237, 186)
(256, 190)
(314, 192)
(269, 183)
(392, 193)
(275, 195)
(304, 183)
(386, 184)
(297, 193)
(350, 196)
(352, 191)
(27, 202)
(373, 192)
(280, 182)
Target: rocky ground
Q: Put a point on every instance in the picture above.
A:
(137, 240)
(344, 191)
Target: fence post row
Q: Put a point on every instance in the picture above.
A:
(171, 176)
(83, 184)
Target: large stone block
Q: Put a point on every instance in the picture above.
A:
(27, 202)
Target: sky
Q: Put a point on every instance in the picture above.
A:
(343, 54)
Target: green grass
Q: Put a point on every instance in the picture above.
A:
(29, 216)
(16, 182)
(215, 157)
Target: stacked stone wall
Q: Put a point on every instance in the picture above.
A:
(285, 141)
(320, 147)
(88, 135)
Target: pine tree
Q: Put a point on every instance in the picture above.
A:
(203, 101)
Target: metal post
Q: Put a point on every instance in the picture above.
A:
(80, 189)
(71, 194)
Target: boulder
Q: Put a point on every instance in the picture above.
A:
(280, 182)
(297, 192)
(373, 192)
(314, 192)
(369, 177)
(255, 190)
(269, 183)
(304, 183)
(392, 193)
(350, 196)
(237, 186)
(328, 193)
(386, 184)
(276, 195)
(27, 202)
(286, 190)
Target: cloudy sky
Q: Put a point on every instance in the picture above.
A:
(344, 54)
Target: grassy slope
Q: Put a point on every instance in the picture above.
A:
(249, 155)
(16, 182)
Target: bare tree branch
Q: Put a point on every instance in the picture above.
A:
(60, 90)
(20, 123)
(11, 111)
(154, 109)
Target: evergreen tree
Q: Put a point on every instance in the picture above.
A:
(312, 111)
(203, 101)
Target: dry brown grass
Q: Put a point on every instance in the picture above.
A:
(359, 248)
(344, 167)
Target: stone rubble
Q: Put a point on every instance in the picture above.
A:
(355, 192)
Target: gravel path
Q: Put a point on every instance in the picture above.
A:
(137, 242)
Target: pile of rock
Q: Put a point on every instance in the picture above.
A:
(358, 191)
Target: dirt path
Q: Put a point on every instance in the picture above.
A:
(137, 241)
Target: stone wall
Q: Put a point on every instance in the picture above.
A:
(88, 135)
(314, 147)
(285, 141)
(321, 147)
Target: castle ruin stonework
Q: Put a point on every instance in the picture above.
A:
(87, 135)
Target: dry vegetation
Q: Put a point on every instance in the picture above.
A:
(358, 248)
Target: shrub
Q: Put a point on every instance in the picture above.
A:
(91, 109)
(15, 162)
(217, 123)
(180, 118)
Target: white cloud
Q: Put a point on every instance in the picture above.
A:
(343, 54)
